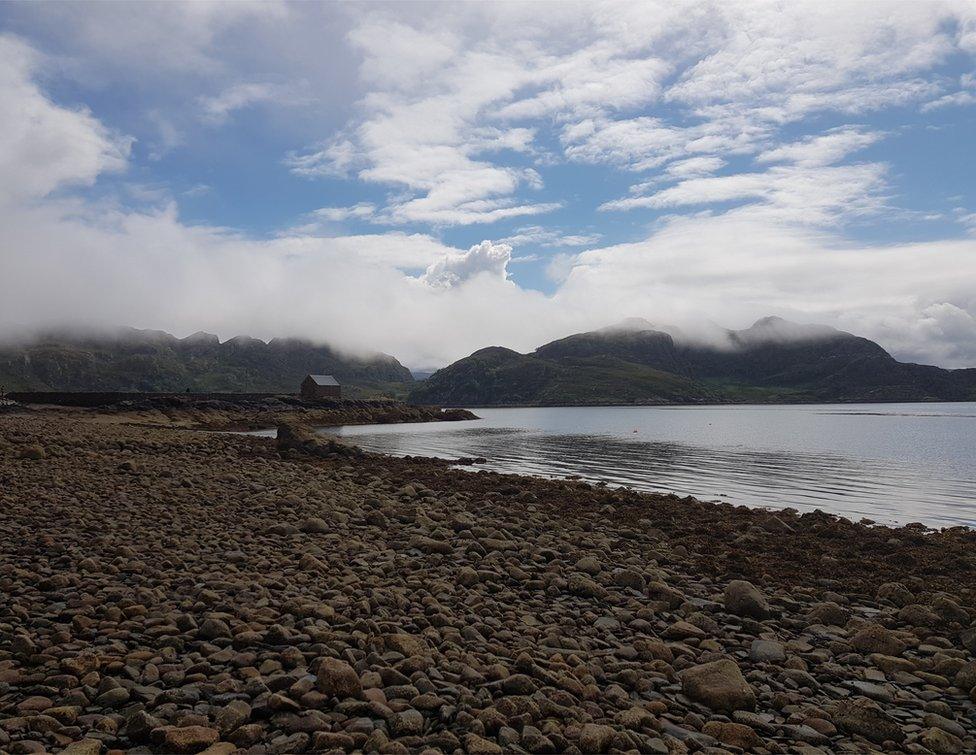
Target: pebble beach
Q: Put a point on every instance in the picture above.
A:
(168, 590)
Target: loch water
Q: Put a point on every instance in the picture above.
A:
(892, 463)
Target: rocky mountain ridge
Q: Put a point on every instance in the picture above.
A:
(634, 362)
(149, 360)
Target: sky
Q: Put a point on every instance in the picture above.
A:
(426, 179)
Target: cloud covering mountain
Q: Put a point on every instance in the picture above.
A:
(427, 179)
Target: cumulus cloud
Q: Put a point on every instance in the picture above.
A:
(486, 258)
(42, 146)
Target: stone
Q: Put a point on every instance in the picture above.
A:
(478, 745)
(736, 735)
(338, 679)
(858, 715)
(83, 747)
(874, 638)
(830, 613)
(588, 565)
(965, 678)
(584, 587)
(407, 723)
(213, 629)
(406, 644)
(234, 714)
(743, 598)
(940, 741)
(767, 651)
(313, 525)
(629, 578)
(535, 741)
(895, 592)
(185, 739)
(595, 738)
(718, 685)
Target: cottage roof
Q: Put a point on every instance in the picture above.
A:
(324, 380)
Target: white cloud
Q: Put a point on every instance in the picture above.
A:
(815, 196)
(487, 258)
(459, 114)
(42, 146)
(825, 149)
(965, 96)
(694, 167)
(360, 211)
(733, 269)
(217, 109)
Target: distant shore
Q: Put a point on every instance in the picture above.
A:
(236, 411)
(184, 591)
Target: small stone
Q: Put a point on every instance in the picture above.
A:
(407, 723)
(595, 738)
(767, 651)
(313, 525)
(874, 638)
(185, 739)
(467, 576)
(736, 735)
(214, 629)
(830, 613)
(719, 685)
(83, 747)
(744, 599)
(478, 745)
(589, 565)
(338, 679)
(940, 741)
(895, 592)
(965, 677)
(232, 715)
(861, 716)
(32, 453)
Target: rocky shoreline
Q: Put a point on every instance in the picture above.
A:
(166, 590)
(241, 412)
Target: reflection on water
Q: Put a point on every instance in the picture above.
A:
(890, 463)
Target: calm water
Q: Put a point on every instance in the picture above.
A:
(888, 462)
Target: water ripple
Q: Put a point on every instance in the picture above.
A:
(915, 469)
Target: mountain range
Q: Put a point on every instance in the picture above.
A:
(635, 362)
(150, 360)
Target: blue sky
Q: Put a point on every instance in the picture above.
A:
(431, 178)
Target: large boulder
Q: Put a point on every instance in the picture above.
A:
(744, 599)
(300, 439)
(719, 685)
